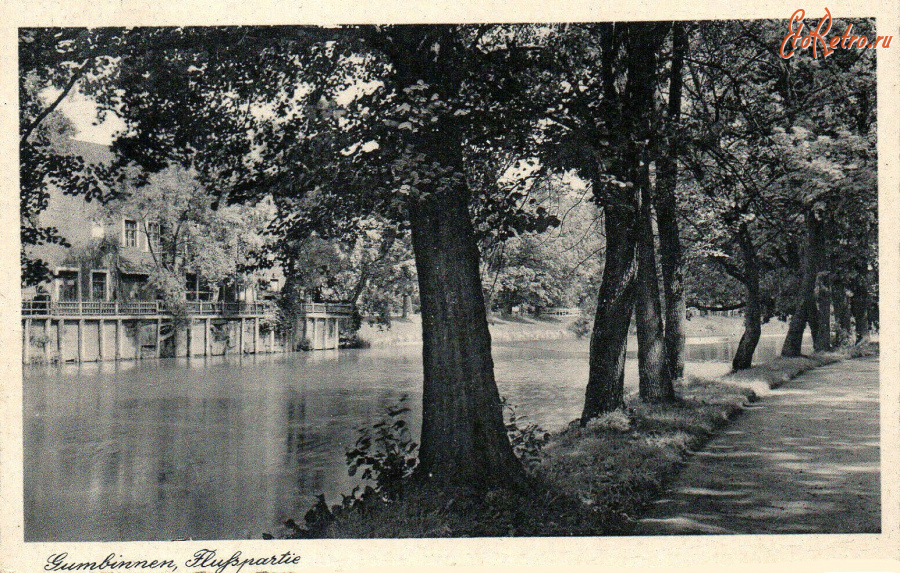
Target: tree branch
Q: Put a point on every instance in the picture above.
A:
(43, 115)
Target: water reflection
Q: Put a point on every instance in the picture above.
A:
(228, 447)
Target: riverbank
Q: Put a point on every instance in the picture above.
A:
(586, 481)
(520, 328)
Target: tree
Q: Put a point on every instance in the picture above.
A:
(369, 268)
(671, 256)
(54, 62)
(188, 235)
(397, 148)
(600, 92)
(642, 46)
(537, 270)
(753, 152)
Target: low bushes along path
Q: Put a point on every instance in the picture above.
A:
(804, 459)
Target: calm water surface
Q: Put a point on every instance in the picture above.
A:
(228, 448)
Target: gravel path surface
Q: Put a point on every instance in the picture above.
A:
(804, 459)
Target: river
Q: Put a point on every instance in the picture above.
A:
(229, 447)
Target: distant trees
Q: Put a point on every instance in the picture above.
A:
(371, 267)
(763, 135)
(535, 271)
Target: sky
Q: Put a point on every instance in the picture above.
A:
(82, 112)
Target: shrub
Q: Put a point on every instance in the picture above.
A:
(385, 453)
(40, 339)
(527, 440)
(581, 327)
(354, 341)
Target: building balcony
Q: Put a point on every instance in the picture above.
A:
(34, 309)
(331, 309)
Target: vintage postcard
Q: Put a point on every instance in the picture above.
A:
(339, 286)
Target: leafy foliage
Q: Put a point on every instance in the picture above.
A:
(527, 438)
(385, 454)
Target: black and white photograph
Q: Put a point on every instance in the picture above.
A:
(611, 280)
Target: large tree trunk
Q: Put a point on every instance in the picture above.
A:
(615, 304)
(655, 381)
(643, 43)
(842, 316)
(617, 291)
(615, 301)
(822, 333)
(860, 307)
(666, 214)
(806, 309)
(743, 357)
(406, 306)
(464, 440)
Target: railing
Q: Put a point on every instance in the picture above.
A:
(561, 311)
(35, 307)
(104, 308)
(230, 308)
(333, 308)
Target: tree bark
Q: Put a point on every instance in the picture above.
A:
(842, 315)
(629, 140)
(860, 307)
(666, 214)
(743, 357)
(643, 43)
(406, 306)
(806, 310)
(655, 381)
(615, 304)
(822, 332)
(464, 440)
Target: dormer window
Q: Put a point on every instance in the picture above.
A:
(130, 239)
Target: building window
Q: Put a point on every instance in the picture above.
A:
(153, 242)
(68, 285)
(192, 286)
(130, 233)
(98, 285)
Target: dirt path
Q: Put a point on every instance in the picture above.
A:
(802, 460)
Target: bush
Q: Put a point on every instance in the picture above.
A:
(581, 327)
(863, 349)
(354, 341)
(617, 421)
(40, 340)
(385, 453)
(527, 440)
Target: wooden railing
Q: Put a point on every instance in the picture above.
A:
(332, 308)
(116, 308)
(561, 311)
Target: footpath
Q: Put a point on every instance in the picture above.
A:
(804, 459)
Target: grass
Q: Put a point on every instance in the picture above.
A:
(508, 328)
(592, 480)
